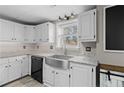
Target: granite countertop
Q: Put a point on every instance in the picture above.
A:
(13, 54)
(42, 54)
(76, 59)
(84, 60)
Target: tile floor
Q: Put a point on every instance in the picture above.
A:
(25, 82)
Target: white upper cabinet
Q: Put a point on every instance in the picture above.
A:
(87, 26)
(19, 32)
(30, 34)
(45, 32)
(6, 30)
(39, 33)
(12, 31)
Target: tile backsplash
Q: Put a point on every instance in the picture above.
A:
(15, 47)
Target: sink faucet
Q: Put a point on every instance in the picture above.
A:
(65, 49)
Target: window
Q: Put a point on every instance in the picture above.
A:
(67, 35)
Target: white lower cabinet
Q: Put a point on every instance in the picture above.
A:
(82, 75)
(61, 78)
(3, 74)
(56, 77)
(49, 75)
(79, 75)
(13, 68)
(24, 66)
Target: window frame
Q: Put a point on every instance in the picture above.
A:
(67, 24)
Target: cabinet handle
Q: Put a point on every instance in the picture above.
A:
(94, 13)
(92, 69)
(94, 36)
(15, 38)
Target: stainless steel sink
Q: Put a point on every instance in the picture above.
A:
(61, 57)
(58, 61)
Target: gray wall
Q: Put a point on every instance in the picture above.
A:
(106, 57)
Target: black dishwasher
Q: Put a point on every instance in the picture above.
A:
(37, 68)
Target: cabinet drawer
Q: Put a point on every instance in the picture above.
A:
(12, 59)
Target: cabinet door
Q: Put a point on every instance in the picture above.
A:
(51, 32)
(45, 34)
(14, 69)
(3, 74)
(49, 75)
(24, 66)
(87, 25)
(61, 78)
(1, 35)
(39, 33)
(81, 76)
(7, 30)
(19, 32)
(30, 33)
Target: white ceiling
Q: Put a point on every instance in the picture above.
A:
(34, 14)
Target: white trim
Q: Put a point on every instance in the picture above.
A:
(66, 24)
(104, 33)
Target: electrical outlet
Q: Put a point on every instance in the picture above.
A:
(88, 49)
(51, 47)
(37, 47)
(24, 47)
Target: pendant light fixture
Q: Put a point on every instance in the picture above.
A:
(60, 19)
(67, 17)
(72, 15)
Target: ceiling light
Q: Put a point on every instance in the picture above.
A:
(60, 18)
(72, 15)
(65, 18)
